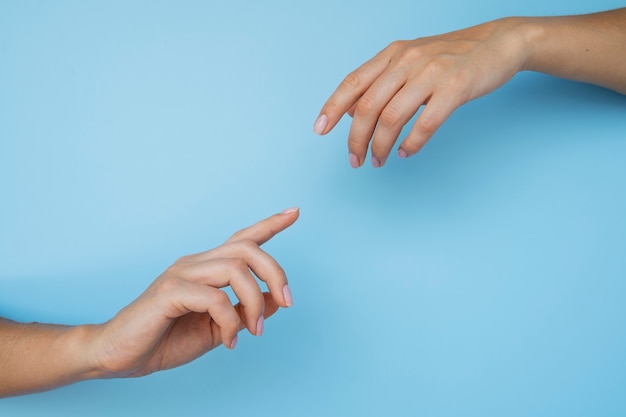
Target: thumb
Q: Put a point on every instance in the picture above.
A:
(264, 230)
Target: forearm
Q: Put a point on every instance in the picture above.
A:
(36, 357)
(589, 48)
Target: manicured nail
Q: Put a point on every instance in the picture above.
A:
(375, 162)
(354, 161)
(320, 124)
(233, 343)
(402, 154)
(259, 326)
(290, 210)
(287, 295)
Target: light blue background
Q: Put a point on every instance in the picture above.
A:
(483, 277)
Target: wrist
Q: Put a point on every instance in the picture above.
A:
(100, 357)
(533, 34)
(525, 35)
(75, 345)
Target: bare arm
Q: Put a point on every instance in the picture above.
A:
(36, 357)
(444, 72)
(589, 48)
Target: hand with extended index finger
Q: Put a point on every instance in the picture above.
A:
(184, 313)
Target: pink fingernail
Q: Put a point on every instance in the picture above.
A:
(290, 210)
(354, 161)
(259, 326)
(320, 124)
(287, 295)
(402, 154)
(233, 343)
(375, 162)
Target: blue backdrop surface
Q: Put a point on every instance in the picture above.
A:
(483, 277)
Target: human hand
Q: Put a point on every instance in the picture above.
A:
(183, 313)
(440, 72)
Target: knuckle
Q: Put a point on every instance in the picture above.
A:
(231, 322)
(410, 54)
(280, 274)
(220, 297)
(356, 145)
(234, 323)
(254, 308)
(365, 105)
(175, 269)
(168, 285)
(332, 105)
(396, 47)
(407, 53)
(427, 124)
(411, 146)
(460, 87)
(380, 150)
(435, 67)
(390, 116)
(247, 245)
(352, 80)
(441, 67)
(236, 265)
(183, 259)
(237, 235)
(460, 77)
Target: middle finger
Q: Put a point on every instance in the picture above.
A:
(367, 112)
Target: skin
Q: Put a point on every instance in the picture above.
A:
(182, 315)
(441, 73)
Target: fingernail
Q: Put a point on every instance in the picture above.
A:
(375, 162)
(320, 124)
(259, 326)
(290, 210)
(402, 154)
(354, 161)
(234, 342)
(287, 295)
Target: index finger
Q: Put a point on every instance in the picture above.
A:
(264, 230)
(349, 91)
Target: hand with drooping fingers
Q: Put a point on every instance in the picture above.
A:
(184, 314)
(441, 73)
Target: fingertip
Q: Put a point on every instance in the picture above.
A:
(411, 146)
(287, 296)
(260, 324)
(354, 160)
(267, 228)
(289, 216)
(250, 323)
(320, 124)
(290, 210)
(233, 343)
